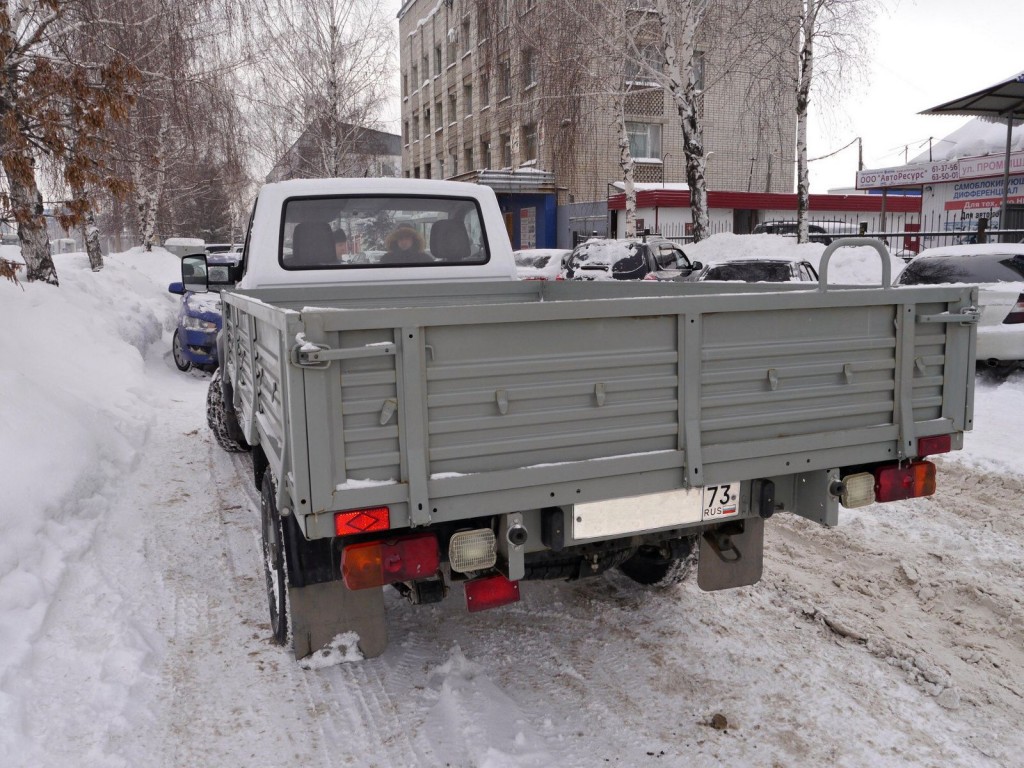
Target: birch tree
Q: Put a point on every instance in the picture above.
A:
(51, 104)
(833, 49)
(322, 74)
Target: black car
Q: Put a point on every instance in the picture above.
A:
(815, 232)
(650, 258)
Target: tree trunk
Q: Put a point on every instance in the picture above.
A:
(626, 164)
(92, 242)
(27, 207)
(803, 102)
(677, 59)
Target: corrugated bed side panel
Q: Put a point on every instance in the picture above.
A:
(369, 412)
(531, 393)
(767, 376)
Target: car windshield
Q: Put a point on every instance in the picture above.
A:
(973, 268)
(353, 232)
(621, 259)
(750, 272)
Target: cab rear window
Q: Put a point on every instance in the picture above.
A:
(353, 232)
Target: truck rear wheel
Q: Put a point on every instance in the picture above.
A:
(662, 566)
(222, 422)
(274, 565)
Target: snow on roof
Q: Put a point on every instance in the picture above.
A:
(974, 138)
(681, 187)
(1016, 249)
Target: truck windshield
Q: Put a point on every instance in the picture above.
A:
(352, 232)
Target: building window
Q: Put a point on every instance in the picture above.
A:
(405, 83)
(438, 60)
(415, 77)
(530, 142)
(426, 121)
(504, 79)
(467, 98)
(699, 70)
(644, 140)
(438, 115)
(416, 126)
(506, 150)
(426, 67)
(466, 34)
(485, 90)
(426, 171)
(453, 50)
(453, 108)
(483, 22)
(529, 67)
(405, 131)
(416, 172)
(642, 70)
(467, 156)
(485, 153)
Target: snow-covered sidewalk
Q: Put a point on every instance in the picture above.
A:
(133, 620)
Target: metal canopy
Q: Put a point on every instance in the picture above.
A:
(1002, 101)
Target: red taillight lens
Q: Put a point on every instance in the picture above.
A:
(1017, 313)
(362, 521)
(490, 592)
(376, 563)
(929, 446)
(909, 481)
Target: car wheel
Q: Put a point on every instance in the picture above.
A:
(178, 352)
(274, 567)
(662, 566)
(223, 423)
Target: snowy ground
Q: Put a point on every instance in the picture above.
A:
(133, 622)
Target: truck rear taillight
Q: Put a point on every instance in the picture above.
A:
(376, 563)
(904, 481)
(1017, 313)
(490, 592)
(362, 521)
(929, 446)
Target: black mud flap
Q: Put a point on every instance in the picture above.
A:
(731, 555)
(321, 612)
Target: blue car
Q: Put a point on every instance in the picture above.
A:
(199, 319)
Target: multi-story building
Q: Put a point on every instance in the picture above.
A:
(522, 96)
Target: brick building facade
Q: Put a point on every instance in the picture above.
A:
(498, 92)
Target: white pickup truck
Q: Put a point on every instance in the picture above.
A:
(419, 418)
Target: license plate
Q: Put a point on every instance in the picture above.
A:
(654, 511)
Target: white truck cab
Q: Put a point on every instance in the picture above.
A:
(344, 230)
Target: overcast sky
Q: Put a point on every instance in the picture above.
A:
(924, 53)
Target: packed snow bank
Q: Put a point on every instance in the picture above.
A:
(73, 414)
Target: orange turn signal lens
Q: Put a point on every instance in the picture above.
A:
(376, 563)
(362, 521)
(909, 481)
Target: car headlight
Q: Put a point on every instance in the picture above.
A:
(197, 324)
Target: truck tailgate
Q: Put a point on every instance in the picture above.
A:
(445, 412)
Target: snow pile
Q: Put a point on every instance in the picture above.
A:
(73, 415)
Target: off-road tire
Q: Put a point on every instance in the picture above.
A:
(222, 423)
(274, 563)
(651, 567)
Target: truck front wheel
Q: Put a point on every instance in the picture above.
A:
(221, 420)
(274, 560)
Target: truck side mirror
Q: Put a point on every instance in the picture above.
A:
(176, 288)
